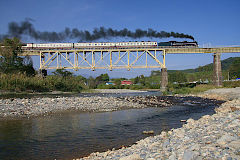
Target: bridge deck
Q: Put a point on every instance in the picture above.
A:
(167, 50)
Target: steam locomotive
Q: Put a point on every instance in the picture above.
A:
(103, 45)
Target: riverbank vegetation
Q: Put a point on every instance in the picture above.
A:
(22, 82)
(17, 73)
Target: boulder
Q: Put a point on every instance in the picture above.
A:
(131, 157)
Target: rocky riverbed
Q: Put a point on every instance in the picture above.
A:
(211, 137)
(28, 107)
(117, 91)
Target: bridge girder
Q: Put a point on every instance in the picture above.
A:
(103, 59)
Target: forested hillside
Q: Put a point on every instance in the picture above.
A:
(226, 63)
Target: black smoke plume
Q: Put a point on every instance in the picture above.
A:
(26, 28)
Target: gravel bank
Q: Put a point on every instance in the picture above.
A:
(44, 106)
(211, 137)
(118, 91)
(16, 108)
(223, 93)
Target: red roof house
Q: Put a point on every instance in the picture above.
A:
(126, 82)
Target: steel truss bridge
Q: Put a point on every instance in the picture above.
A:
(111, 58)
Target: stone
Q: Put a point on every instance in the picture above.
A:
(172, 157)
(206, 117)
(164, 134)
(190, 120)
(166, 143)
(180, 132)
(235, 144)
(106, 153)
(148, 132)
(190, 155)
(131, 157)
(194, 147)
(225, 139)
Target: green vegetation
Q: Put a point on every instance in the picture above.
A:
(190, 90)
(234, 69)
(231, 84)
(22, 82)
(10, 62)
(17, 73)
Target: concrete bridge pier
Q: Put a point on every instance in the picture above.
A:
(43, 72)
(217, 70)
(164, 81)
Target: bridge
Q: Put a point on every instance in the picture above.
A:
(129, 58)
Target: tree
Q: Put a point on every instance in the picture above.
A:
(10, 62)
(156, 73)
(234, 69)
(62, 73)
(105, 77)
(117, 82)
(91, 83)
(177, 76)
(102, 78)
(142, 80)
(136, 80)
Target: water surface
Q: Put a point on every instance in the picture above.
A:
(73, 135)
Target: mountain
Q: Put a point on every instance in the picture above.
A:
(226, 63)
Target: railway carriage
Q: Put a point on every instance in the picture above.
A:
(103, 45)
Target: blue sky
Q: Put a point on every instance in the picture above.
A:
(211, 22)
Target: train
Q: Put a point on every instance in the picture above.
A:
(102, 45)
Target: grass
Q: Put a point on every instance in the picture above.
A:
(23, 83)
(194, 90)
(199, 88)
(231, 84)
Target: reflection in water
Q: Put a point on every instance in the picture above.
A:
(72, 135)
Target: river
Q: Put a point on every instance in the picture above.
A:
(72, 135)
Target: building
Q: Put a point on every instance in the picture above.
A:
(110, 83)
(126, 82)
